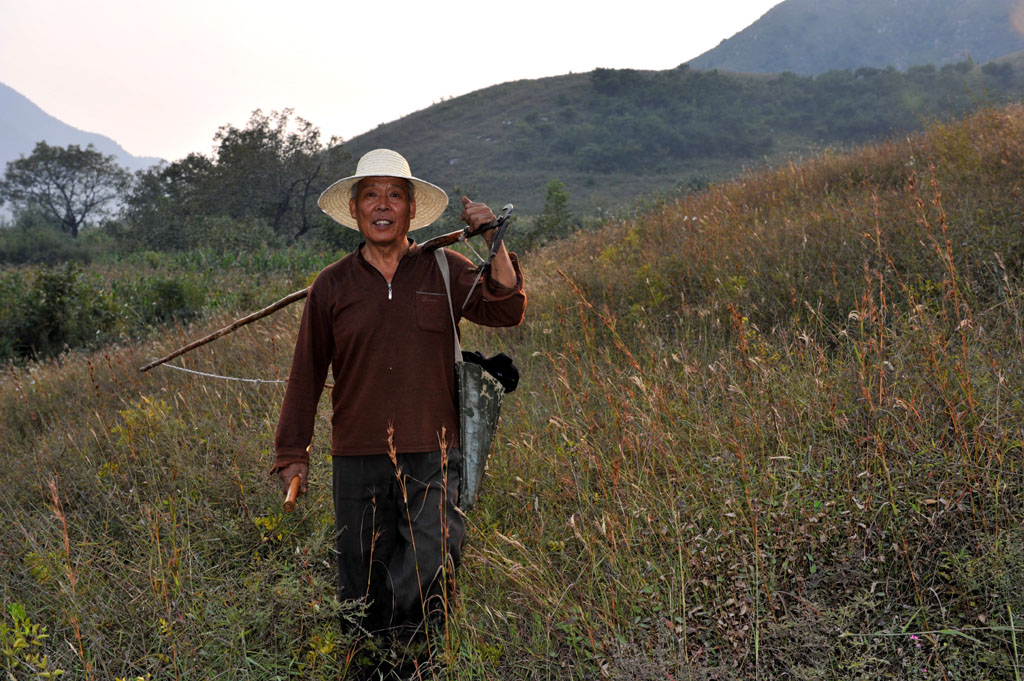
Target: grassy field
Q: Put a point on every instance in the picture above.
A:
(771, 430)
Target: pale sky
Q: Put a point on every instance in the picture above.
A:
(161, 77)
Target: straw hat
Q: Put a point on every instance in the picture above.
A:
(430, 199)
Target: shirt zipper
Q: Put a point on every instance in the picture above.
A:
(390, 292)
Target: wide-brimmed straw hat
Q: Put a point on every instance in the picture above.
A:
(430, 200)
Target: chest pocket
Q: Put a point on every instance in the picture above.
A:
(432, 312)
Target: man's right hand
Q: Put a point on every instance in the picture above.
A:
(290, 471)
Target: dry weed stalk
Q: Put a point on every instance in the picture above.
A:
(58, 512)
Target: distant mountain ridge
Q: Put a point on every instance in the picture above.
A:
(22, 124)
(809, 37)
(614, 136)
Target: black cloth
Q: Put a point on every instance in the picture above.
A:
(500, 366)
(402, 574)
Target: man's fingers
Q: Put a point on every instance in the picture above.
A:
(476, 214)
(294, 470)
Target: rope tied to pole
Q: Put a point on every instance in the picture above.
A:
(257, 381)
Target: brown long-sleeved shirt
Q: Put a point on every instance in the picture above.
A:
(391, 351)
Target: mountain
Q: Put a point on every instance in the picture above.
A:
(22, 124)
(814, 36)
(613, 136)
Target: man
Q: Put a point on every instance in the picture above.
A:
(380, 318)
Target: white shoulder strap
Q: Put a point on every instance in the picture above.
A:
(442, 263)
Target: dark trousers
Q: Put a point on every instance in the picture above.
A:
(399, 537)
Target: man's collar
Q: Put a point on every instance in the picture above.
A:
(413, 248)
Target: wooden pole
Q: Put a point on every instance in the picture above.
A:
(293, 494)
(237, 324)
(446, 239)
(437, 242)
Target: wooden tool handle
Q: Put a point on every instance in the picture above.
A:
(237, 324)
(293, 493)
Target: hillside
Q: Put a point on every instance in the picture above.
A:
(814, 36)
(22, 124)
(1014, 59)
(614, 135)
(770, 430)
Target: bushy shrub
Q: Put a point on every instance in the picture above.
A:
(170, 299)
(31, 239)
(55, 308)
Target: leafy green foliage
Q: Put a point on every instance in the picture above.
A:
(21, 644)
(34, 239)
(168, 300)
(257, 190)
(54, 309)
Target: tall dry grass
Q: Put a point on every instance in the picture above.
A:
(771, 430)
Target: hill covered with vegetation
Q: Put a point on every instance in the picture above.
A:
(814, 36)
(613, 135)
(766, 430)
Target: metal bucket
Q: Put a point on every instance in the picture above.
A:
(479, 405)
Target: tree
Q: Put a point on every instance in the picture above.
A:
(268, 173)
(165, 198)
(70, 185)
(274, 168)
(555, 220)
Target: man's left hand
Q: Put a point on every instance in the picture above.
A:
(476, 215)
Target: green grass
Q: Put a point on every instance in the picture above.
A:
(771, 430)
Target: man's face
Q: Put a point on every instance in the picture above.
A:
(383, 210)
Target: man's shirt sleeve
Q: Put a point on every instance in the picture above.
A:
(490, 303)
(314, 348)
